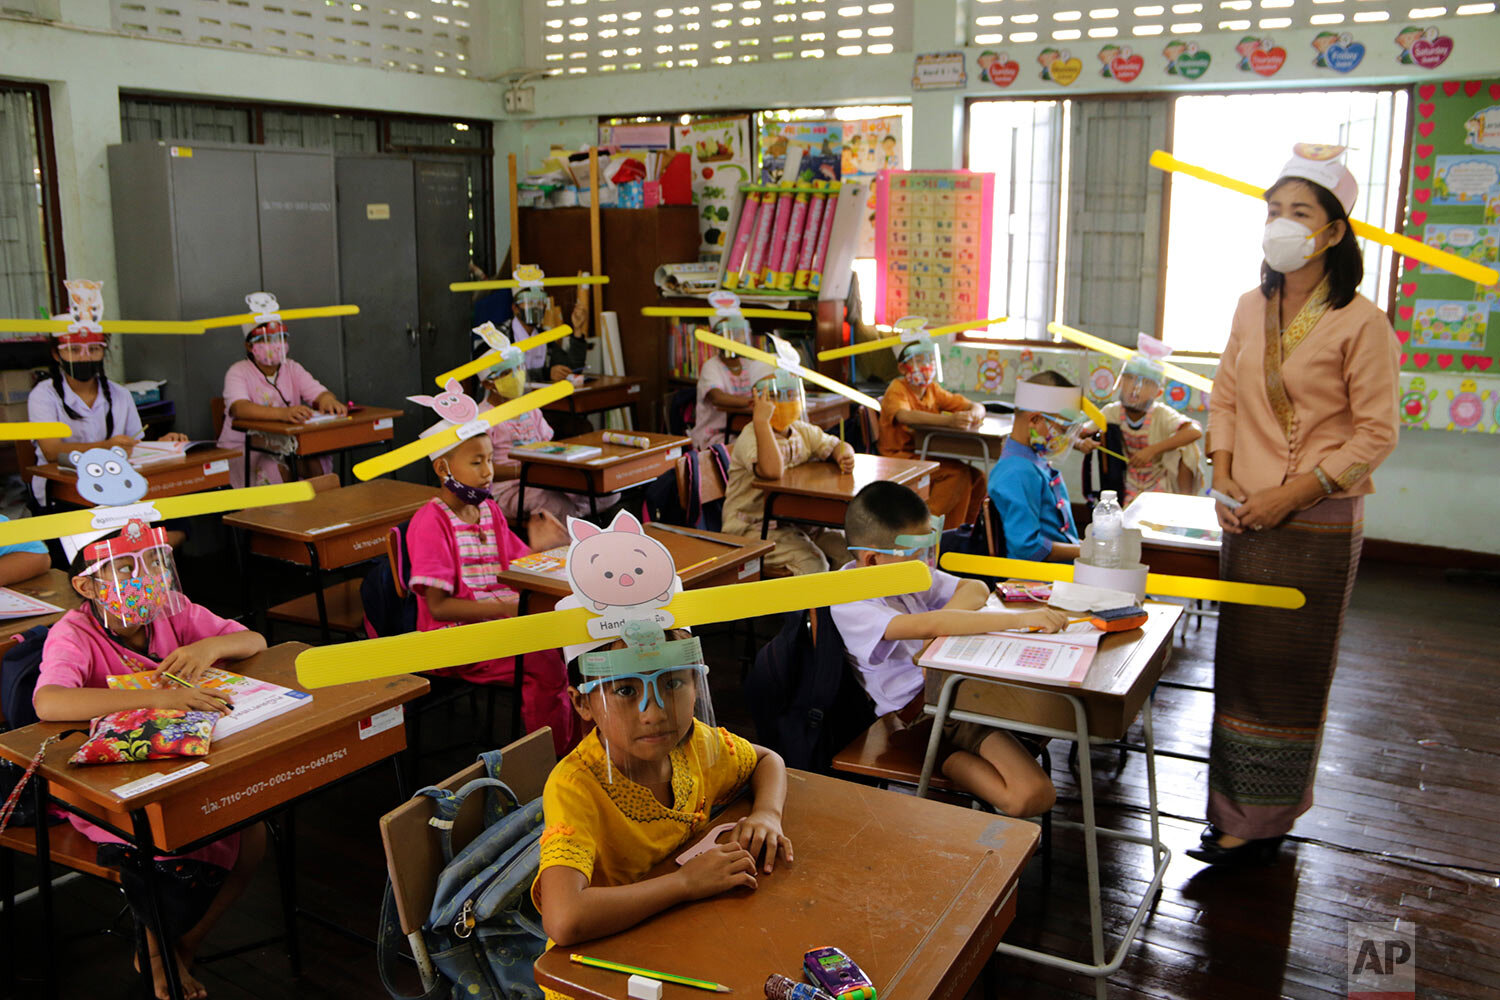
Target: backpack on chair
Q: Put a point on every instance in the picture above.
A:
(483, 932)
(1111, 470)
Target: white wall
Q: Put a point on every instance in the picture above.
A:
(1435, 490)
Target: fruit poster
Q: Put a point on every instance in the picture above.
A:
(932, 244)
(1445, 323)
(720, 148)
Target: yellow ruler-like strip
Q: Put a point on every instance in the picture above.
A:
(751, 313)
(419, 449)
(807, 374)
(1103, 346)
(77, 522)
(108, 326)
(1226, 591)
(451, 647)
(312, 312)
(1450, 262)
(480, 286)
(31, 431)
(488, 358)
(865, 347)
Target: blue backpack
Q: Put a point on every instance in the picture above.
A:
(483, 932)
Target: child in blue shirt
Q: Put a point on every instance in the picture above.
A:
(22, 561)
(1028, 492)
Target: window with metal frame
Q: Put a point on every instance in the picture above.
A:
(31, 254)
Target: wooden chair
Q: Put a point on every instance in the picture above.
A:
(346, 612)
(413, 851)
(216, 415)
(710, 485)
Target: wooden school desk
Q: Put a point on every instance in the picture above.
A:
(982, 444)
(285, 439)
(616, 468)
(55, 587)
(818, 493)
(334, 529)
(1171, 551)
(1118, 686)
(602, 392)
(244, 778)
(207, 469)
(919, 931)
(824, 409)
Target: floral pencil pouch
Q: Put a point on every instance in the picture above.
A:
(146, 734)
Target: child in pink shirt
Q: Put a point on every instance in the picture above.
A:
(458, 544)
(268, 385)
(135, 618)
(504, 381)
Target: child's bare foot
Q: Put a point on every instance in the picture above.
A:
(191, 988)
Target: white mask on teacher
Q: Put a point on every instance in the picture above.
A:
(1289, 245)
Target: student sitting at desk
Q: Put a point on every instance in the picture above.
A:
(459, 543)
(101, 412)
(136, 618)
(1028, 492)
(22, 561)
(1160, 443)
(724, 380)
(642, 786)
(887, 523)
(268, 385)
(535, 312)
(778, 439)
(916, 399)
(502, 382)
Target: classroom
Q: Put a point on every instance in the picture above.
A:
(813, 499)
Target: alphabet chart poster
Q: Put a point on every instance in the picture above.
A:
(932, 244)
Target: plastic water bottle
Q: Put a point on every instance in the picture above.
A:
(1109, 530)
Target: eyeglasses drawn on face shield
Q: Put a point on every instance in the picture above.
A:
(81, 352)
(650, 681)
(152, 562)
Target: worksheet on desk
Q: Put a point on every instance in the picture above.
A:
(15, 605)
(1015, 655)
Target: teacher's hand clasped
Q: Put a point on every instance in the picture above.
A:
(1303, 410)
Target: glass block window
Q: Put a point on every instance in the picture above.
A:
(578, 37)
(993, 22)
(412, 36)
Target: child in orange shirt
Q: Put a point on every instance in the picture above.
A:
(917, 400)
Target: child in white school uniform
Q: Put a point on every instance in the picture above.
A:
(268, 385)
(887, 522)
(101, 412)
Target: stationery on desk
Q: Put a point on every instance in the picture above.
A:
(148, 453)
(558, 449)
(550, 563)
(1056, 658)
(14, 605)
(254, 700)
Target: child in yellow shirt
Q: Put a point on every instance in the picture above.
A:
(642, 787)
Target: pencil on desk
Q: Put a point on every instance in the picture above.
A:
(700, 562)
(666, 977)
(176, 680)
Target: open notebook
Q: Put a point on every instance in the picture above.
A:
(254, 700)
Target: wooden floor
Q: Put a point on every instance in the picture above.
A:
(1406, 828)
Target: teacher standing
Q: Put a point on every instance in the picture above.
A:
(1303, 410)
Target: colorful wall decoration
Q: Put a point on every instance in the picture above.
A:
(932, 244)
(1444, 322)
(720, 148)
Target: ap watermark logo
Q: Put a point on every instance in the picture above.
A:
(1382, 963)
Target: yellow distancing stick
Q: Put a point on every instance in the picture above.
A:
(451, 647)
(312, 312)
(816, 378)
(479, 286)
(1401, 244)
(747, 313)
(413, 451)
(108, 326)
(488, 358)
(1226, 591)
(76, 522)
(31, 431)
(1103, 346)
(867, 346)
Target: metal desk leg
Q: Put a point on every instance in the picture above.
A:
(8, 920)
(520, 678)
(248, 450)
(944, 706)
(286, 869)
(145, 851)
(765, 517)
(521, 492)
(44, 882)
(317, 575)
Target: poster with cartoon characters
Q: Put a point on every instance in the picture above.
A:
(870, 146)
(720, 148)
(1448, 326)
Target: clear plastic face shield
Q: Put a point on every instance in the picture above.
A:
(1140, 384)
(532, 304)
(645, 697)
(923, 547)
(785, 391)
(1060, 412)
(81, 354)
(920, 364)
(736, 328)
(267, 344)
(134, 577)
(508, 375)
